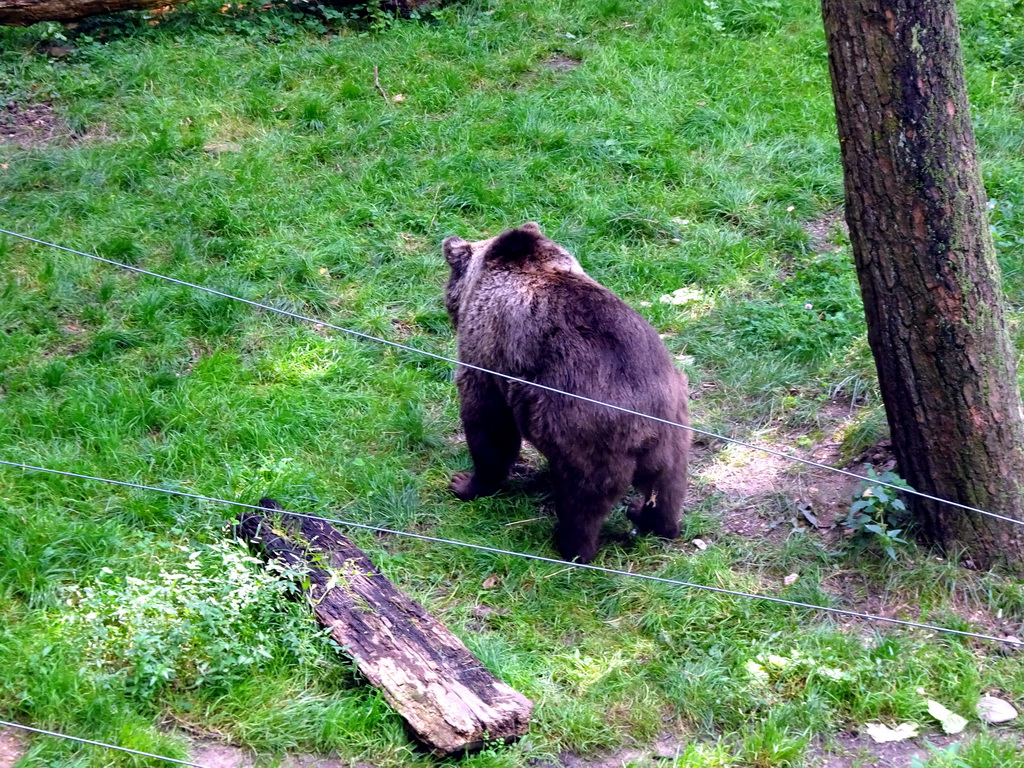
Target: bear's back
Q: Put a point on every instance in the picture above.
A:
(562, 329)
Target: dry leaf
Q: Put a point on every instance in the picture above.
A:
(490, 582)
(791, 579)
(883, 733)
(807, 511)
(950, 721)
(398, 97)
(700, 544)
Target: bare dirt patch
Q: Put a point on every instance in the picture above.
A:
(768, 492)
(857, 591)
(30, 124)
(826, 229)
(668, 747)
(12, 746)
(850, 749)
(766, 497)
(227, 756)
(847, 749)
(27, 124)
(559, 63)
(221, 756)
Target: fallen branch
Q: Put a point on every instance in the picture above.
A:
(376, 81)
(449, 701)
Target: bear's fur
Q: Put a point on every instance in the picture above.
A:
(522, 305)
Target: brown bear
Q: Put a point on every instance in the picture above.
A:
(523, 306)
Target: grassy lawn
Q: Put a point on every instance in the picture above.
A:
(678, 148)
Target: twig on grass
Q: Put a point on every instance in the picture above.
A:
(195, 730)
(376, 81)
(528, 520)
(561, 570)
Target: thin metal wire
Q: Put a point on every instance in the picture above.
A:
(453, 361)
(100, 744)
(526, 556)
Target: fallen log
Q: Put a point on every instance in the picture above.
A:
(448, 700)
(22, 13)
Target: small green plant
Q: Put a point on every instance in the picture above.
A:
(877, 514)
(217, 614)
(742, 16)
(377, 16)
(865, 429)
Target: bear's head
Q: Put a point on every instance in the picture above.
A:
(524, 249)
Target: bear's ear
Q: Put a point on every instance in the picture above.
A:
(516, 245)
(532, 226)
(456, 250)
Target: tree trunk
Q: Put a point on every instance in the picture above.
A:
(448, 699)
(915, 204)
(22, 13)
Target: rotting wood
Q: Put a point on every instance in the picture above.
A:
(449, 701)
(22, 13)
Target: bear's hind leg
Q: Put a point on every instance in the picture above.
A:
(661, 511)
(491, 434)
(582, 508)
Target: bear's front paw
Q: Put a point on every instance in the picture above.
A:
(467, 486)
(462, 486)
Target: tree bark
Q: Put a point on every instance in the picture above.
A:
(22, 13)
(448, 700)
(915, 204)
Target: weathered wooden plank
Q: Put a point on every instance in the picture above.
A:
(449, 701)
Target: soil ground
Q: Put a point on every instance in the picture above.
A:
(12, 746)
(30, 123)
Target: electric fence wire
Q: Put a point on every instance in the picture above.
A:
(99, 744)
(508, 377)
(526, 556)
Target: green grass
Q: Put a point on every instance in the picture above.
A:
(253, 153)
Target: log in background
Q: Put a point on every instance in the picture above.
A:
(22, 13)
